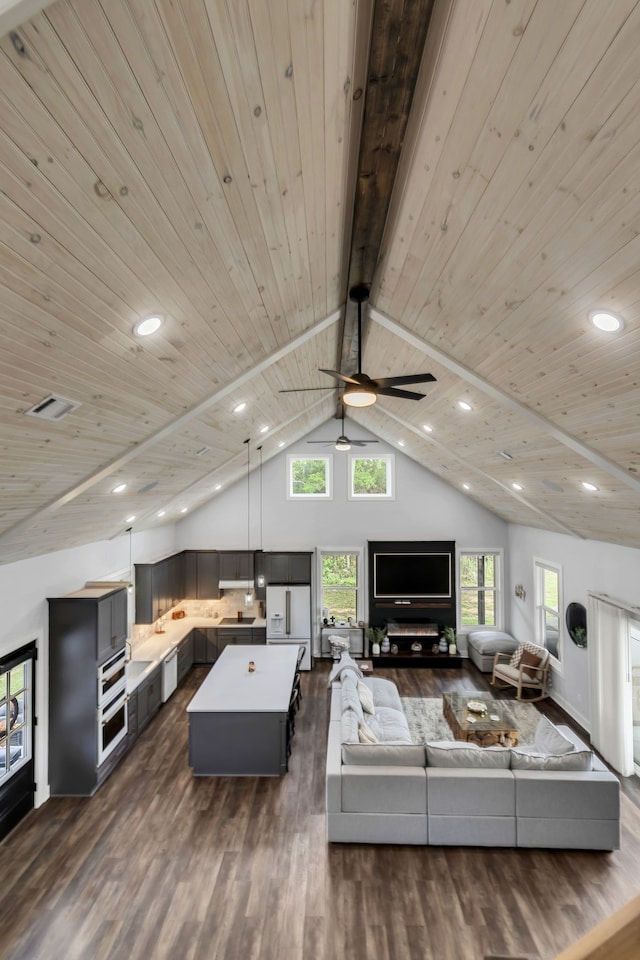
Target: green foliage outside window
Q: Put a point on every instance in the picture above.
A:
(339, 584)
(308, 477)
(369, 477)
(478, 589)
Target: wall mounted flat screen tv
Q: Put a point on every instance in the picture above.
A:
(412, 576)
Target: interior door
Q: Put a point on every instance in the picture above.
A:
(17, 699)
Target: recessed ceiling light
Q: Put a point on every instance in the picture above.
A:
(144, 328)
(281, 444)
(464, 405)
(264, 429)
(606, 320)
(120, 487)
(240, 407)
(427, 428)
(517, 486)
(160, 513)
(131, 518)
(218, 486)
(588, 486)
(504, 455)
(401, 443)
(184, 510)
(466, 486)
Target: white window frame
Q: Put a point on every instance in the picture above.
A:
(540, 609)
(498, 554)
(360, 580)
(390, 460)
(328, 470)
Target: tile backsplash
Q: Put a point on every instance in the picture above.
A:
(227, 606)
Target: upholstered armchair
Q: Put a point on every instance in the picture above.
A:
(527, 669)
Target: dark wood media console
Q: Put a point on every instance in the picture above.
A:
(403, 637)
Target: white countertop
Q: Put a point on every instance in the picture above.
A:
(159, 645)
(229, 687)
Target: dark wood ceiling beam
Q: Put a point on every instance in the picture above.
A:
(397, 42)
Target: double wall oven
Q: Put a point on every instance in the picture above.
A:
(111, 704)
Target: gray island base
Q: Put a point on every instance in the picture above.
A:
(238, 718)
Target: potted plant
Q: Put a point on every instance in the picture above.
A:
(449, 636)
(375, 636)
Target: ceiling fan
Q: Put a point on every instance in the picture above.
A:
(360, 390)
(343, 442)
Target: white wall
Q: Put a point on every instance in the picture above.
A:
(587, 565)
(424, 508)
(25, 586)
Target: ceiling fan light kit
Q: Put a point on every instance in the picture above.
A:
(359, 395)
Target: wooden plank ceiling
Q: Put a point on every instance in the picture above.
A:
(235, 167)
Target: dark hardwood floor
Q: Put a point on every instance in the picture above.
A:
(160, 864)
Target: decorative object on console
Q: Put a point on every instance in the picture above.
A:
(394, 648)
(385, 646)
(416, 647)
(375, 635)
(443, 646)
(449, 634)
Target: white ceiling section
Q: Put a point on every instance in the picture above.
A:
(198, 159)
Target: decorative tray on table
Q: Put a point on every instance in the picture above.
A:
(476, 706)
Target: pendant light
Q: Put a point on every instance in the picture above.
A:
(260, 579)
(248, 597)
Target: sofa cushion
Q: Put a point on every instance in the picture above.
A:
(548, 739)
(366, 697)
(385, 693)
(523, 760)
(349, 721)
(365, 733)
(349, 696)
(384, 754)
(457, 753)
(390, 724)
(492, 641)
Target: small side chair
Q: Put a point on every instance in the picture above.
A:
(527, 669)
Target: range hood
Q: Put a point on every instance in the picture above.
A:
(235, 584)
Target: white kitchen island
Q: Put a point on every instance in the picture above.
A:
(238, 719)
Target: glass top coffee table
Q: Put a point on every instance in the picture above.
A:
(478, 719)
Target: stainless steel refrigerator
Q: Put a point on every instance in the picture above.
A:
(289, 618)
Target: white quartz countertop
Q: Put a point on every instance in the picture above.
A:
(159, 645)
(229, 687)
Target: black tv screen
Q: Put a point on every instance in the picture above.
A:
(411, 576)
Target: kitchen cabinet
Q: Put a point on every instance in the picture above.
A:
(285, 568)
(259, 635)
(132, 717)
(236, 565)
(159, 587)
(185, 656)
(201, 575)
(112, 624)
(86, 628)
(149, 694)
(205, 644)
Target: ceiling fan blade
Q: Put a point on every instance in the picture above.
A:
(405, 394)
(304, 389)
(362, 443)
(339, 376)
(327, 443)
(411, 378)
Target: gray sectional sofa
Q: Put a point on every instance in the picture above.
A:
(390, 790)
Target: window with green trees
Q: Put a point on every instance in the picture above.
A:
(371, 477)
(310, 477)
(340, 585)
(479, 586)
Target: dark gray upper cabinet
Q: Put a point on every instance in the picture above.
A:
(287, 567)
(160, 586)
(201, 575)
(236, 565)
(112, 624)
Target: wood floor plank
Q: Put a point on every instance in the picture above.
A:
(160, 864)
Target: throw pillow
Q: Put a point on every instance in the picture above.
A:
(365, 735)
(366, 697)
(531, 647)
(530, 662)
(578, 760)
(548, 739)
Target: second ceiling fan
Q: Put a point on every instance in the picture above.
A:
(343, 442)
(360, 390)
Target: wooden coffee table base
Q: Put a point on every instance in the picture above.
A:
(477, 728)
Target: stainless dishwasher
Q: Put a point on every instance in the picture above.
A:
(169, 674)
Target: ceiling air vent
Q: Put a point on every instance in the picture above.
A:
(148, 486)
(52, 408)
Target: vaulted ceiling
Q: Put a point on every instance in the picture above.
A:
(235, 167)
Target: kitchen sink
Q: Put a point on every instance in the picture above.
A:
(135, 667)
(232, 620)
